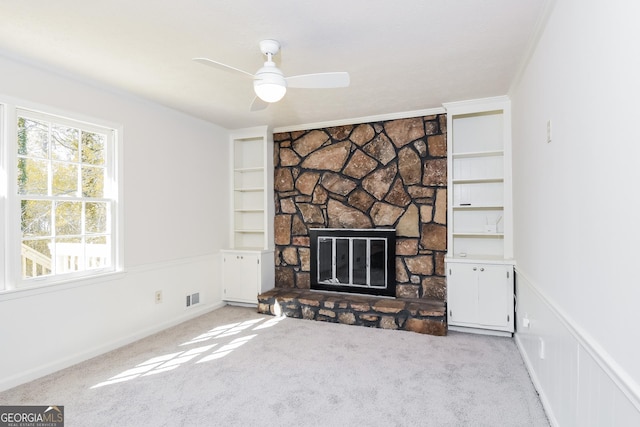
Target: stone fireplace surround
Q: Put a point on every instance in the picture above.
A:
(387, 174)
(371, 175)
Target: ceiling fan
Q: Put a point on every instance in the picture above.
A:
(270, 84)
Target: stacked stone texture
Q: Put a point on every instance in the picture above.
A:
(416, 315)
(390, 174)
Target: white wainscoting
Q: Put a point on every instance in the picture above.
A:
(578, 382)
(55, 327)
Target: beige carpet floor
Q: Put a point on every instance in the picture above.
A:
(235, 367)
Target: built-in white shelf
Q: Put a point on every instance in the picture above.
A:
(474, 154)
(477, 180)
(249, 189)
(480, 243)
(253, 169)
(252, 184)
(479, 214)
(478, 234)
(477, 207)
(248, 267)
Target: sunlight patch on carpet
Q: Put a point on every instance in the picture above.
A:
(206, 353)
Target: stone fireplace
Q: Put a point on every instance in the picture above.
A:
(353, 260)
(387, 174)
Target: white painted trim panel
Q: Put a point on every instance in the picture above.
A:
(105, 315)
(578, 381)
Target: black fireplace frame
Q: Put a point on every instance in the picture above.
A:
(386, 234)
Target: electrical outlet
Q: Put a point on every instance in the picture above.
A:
(526, 323)
(158, 297)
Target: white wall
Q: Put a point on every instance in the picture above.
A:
(175, 193)
(576, 212)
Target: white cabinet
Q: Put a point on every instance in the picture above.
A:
(246, 274)
(248, 265)
(480, 296)
(479, 216)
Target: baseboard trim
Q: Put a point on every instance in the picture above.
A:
(480, 331)
(33, 374)
(605, 362)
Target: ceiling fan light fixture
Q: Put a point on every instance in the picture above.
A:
(269, 91)
(269, 83)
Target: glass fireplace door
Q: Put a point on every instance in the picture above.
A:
(352, 261)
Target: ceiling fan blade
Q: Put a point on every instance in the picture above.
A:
(319, 80)
(258, 104)
(220, 65)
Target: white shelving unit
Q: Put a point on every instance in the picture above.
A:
(480, 238)
(252, 180)
(248, 267)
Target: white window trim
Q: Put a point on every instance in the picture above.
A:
(3, 197)
(11, 281)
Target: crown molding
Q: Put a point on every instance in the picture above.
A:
(359, 120)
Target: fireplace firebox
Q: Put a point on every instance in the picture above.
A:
(353, 260)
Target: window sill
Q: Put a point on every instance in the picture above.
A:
(62, 285)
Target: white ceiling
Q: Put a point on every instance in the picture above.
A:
(402, 56)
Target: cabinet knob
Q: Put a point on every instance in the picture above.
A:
(482, 269)
(475, 268)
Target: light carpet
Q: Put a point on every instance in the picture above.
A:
(235, 367)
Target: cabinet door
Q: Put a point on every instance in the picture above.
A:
(462, 294)
(241, 277)
(495, 296)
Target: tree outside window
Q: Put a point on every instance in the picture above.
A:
(66, 211)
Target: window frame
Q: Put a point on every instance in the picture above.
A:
(10, 200)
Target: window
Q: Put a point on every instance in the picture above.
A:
(62, 200)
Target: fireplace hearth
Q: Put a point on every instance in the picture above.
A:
(353, 260)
